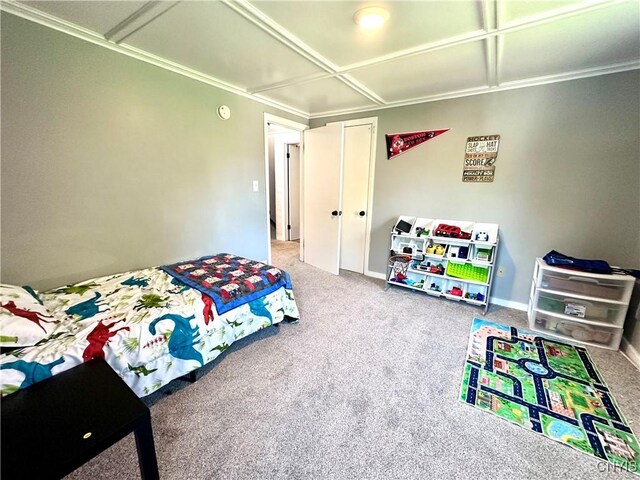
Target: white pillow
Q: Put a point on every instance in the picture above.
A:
(24, 321)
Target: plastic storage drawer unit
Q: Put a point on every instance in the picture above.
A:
(587, 310)
(576, 331)
(569, 282)
(578, 306)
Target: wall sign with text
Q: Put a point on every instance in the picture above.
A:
(480, 158)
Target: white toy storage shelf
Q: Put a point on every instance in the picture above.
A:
(578, 306)
(453, 259)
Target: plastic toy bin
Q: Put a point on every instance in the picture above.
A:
(607, 337)
(452, 287)
(466, 227)
(485, 232)
(435, 285)
(579, 285)
(423, 223)
(590, 310)
(475, 293)
(468, 272)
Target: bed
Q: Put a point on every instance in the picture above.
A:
(152, 325)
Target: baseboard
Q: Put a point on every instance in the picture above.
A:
(630, 352)
(509, 304)
(378, 275)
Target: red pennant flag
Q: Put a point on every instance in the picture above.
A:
(398, 143)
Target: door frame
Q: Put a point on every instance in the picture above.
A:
(373, 121)
(293, 125)
(288, 189)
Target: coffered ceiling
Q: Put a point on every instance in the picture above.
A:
(310, 58)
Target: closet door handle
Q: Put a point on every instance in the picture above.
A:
(361, 213)
(334, 213)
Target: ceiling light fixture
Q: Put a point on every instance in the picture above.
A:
(371, 17)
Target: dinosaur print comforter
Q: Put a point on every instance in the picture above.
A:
(150, 327)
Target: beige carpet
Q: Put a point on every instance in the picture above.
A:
(364, 387)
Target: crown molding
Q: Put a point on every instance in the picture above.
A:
(494, 38)
(55, 23)
(512, 85)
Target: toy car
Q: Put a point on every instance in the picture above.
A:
(456, 291)
(482, 237)
(444, 230)
(451, 231)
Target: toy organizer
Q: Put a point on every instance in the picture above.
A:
(452, 259)
(578, 306)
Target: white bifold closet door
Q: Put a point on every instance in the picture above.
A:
(322, 190)
(335, 196)
(355, 191)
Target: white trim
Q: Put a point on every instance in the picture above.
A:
(477, 35)
(251, 13)
(137, 20)
(532, 82)
(372, 274)
(275, 30)
(509, 304)
(630, 352)
(36, 16)
(285, 122)
(361, 89)
(499, 58)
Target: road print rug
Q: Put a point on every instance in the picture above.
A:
(547, 386)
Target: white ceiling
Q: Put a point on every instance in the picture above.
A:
(310, 58)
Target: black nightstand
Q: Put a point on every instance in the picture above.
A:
(52, 427)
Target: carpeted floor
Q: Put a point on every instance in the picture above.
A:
(364, 387)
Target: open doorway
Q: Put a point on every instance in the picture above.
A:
(283, 152)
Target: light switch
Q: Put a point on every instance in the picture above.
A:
(255, 185)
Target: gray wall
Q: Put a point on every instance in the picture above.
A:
(110, 164)
(567, 174)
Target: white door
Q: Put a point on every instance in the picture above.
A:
(357, 155)
(294, 191)
(322, 187)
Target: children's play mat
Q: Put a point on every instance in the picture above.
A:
(547, 386)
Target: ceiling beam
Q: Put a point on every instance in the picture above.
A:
(499, 44)
(500, 30)
(528, 82)
(278, 32)
(331, 70)
(275, 30)
(488, 10)
(138, 19)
